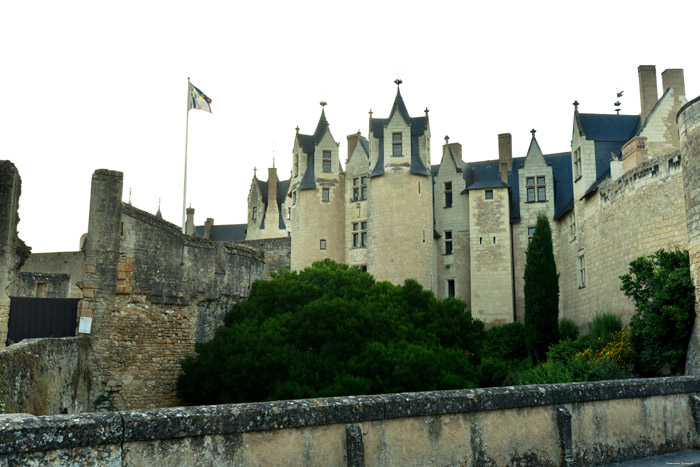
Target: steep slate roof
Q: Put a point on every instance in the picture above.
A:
(418, 126)
(282, 187)
(610, 133)
(486, 174)
(224, 233)
(308, 146)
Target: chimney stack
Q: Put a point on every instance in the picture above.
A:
(647, 89)
(352, 142)
(189, 224)
(673, 78)
(456, 149)
(505, 155)
(207, 227)
(272, 190)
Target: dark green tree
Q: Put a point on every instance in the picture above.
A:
(664, 297)
(541, 292)
(332, 330)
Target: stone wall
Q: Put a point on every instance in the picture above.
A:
(43, 285)
(576, 424)
(689, 132)
(154, 292)
(45, 376)
(276, 253)
(634, 215)
(13, 251)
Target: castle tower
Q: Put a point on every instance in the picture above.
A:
(689, 133)
(317, 192)
(400, 199)
(268, 213)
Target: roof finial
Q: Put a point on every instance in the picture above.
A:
(426, 111)
(323, 103)
(398, 81)
(255, 172)
(370, 113)
(533, 131)
(575, 103)
(129, 195)
(447, 139)
(297, 128)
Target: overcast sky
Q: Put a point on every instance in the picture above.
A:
(92, 85)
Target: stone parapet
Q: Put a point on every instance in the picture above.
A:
(578, 424)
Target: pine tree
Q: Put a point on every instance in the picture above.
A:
(541, 292)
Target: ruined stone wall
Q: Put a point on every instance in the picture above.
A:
(45, 376)
(13, 251)
(577, 424)
(52, 268)
(276, 253)
(43, 285)
(634, 215)
(169, 291)
(689, 132)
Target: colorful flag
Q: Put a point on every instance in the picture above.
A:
(198, 100)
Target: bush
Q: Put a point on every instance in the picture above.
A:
(331, 330)
(604, 326)
(568, 330)
(505, 342)
(663, 293)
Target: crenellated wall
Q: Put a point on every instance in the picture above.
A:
(577, 424)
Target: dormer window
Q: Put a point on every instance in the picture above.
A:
(577, 164)
(326, 161)
(397, 144)
(536, 189)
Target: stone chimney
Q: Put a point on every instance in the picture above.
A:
(207, 227)
(189, 224)
(673, 78)
(505, 155)
(272, 209)
(647, 89)
(352, 142)
(456, 149)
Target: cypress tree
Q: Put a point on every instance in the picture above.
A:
(541, 292)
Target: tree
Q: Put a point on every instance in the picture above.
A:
(332, 330)
(663, 293)
(541, 292)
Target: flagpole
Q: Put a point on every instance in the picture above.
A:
(187, 130)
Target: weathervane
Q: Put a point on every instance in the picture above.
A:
(398, 81)
(618, 103)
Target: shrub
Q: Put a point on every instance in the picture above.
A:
(663, 293)
(568, 330)
(331, 330)
(505, 342)
(604, 326)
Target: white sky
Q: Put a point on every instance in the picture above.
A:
(99, 84)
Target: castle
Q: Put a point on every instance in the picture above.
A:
(462, 228)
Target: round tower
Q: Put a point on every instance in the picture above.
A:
(317, 191)
(400, 198)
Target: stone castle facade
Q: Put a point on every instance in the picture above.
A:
(462, 228)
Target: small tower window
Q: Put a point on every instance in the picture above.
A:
(489, 194)
(359, 234)
(359, 188)
(450, 287)
(326, 161)
(326, 194)
(581, 270)
(296, 164)
(577, 164)
(323, 244)
(530, 233)
(448, 242)
(255, 213)
(289, 213)
(448, 194)
(397, 144)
